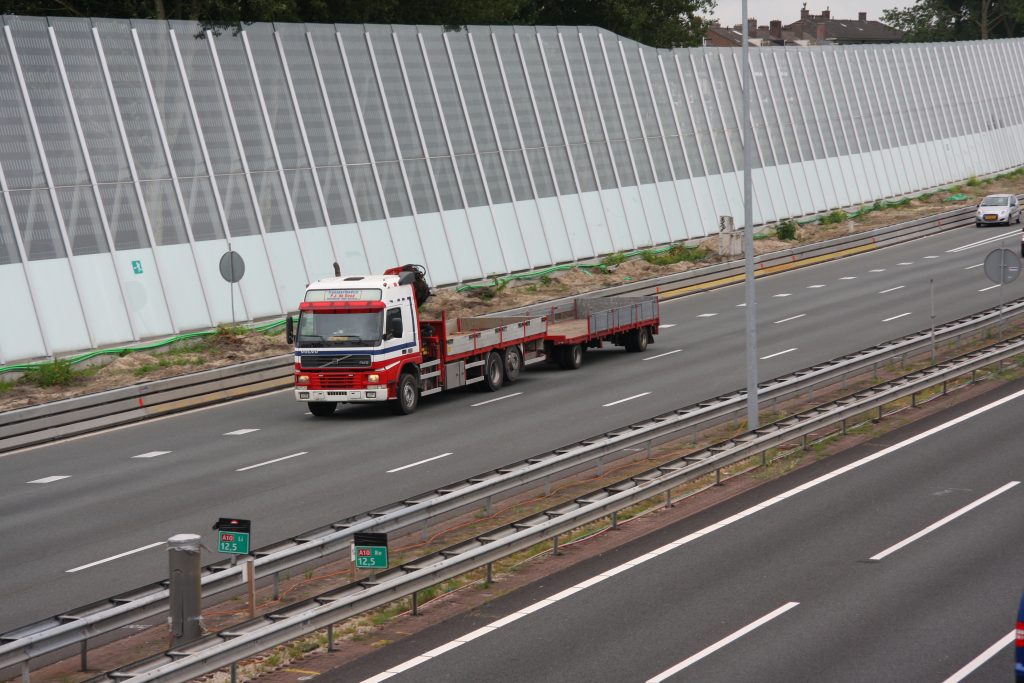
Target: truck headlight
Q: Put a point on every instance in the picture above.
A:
(302, 379)
(373, 378)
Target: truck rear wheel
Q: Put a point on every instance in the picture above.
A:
(494, 373)
(408, 395)
(636, 340)
(570, 357)
(322, 408)
(513, 364)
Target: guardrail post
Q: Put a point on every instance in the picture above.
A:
(913, 400)
(803, 442)
(415, 604)
(600, 467)
(718, 476)
(83, 656)
(234, 672)
(277, 585)
(547, 486)
(330, 637)
(554, 546)
(668, 498)
(25, 675)
(615, 520)
(185, 590)
(490, 573)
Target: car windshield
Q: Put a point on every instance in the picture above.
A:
(995, 201)
(339, 329)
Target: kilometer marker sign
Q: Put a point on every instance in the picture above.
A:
(233, 535)
(370, 551)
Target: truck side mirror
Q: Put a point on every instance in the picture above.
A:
(289, 329)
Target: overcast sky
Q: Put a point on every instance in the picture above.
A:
(728, 11)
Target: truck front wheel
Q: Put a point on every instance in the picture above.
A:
(408, 395)
(322, 408)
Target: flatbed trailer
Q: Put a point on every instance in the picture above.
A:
(583, 323)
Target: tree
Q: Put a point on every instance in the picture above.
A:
(659, 23)
(931, 20)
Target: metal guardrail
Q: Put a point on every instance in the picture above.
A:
(60, 419)
(77, 626)
(281, 626)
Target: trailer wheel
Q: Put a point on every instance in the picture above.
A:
(322, 408)
(513, 364)
(408, 395)
(494, 373)
(637, 339)
(570, 357)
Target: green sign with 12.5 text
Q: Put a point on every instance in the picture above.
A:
(234, 542)
(372, 557)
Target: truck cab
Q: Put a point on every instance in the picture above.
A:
(355, 338)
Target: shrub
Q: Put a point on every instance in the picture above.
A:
(675, 254)
(614, 259)
(973, 181)
(5, 386)
(786, 230)
(58, 373)
(837, 216)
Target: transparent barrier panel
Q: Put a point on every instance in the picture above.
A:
(19, 334)
(492, 251)
(58, 309)
(597, 222)
(652, 200)
(144, 289)
(102, 302)
(549, 209)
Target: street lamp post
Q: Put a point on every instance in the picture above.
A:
(748, 234)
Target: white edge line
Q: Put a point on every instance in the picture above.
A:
(114, 557)
(662, 355)
(815, 286)
(969, 668)
(623, 400)
(722, 643)
(500, 398)
(945, 520)
(786, 320)
(672, 545)
(419, 462)
(896, 317)
(664, 325)
(271, 462)
(976, 265)
(985, 289)
(891, 289)
(240, 432)
(773, 355)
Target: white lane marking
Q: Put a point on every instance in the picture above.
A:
(239, 432)
(905, 263)
(779, 296)
(662, 355)
(711, 649)
(969, 668)
(717, 526)
(500, 398)
(994, 238)
(931, 257)
(877, 270)
(740, 305)
(418, 462)
(976, 265)
(663, 326)
(891, 289)
(773, 355)
(172, 416)
(47, 480)
(896, 317)
(985, 289)
(786, 320)
(151, 454)
(945, 520)
(815, 286)
(114, 557)
(623, 400)
(849, 277)
(271, 462)
(707, 315)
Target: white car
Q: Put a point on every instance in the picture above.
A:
(997, 208)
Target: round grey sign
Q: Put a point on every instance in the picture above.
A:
(232, 267)
(1002, 266)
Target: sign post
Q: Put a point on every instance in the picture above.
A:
(232, 268)
(370, 551)
(1002, 266)
(233, 538)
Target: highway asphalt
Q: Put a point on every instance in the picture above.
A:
(86, 518)
(899, 560)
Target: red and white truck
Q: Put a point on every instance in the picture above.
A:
(360, 339)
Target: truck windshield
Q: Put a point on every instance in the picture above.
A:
(339, 329)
